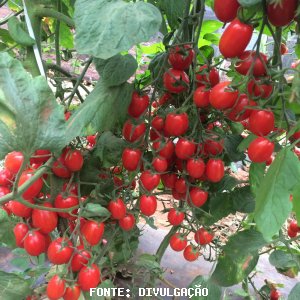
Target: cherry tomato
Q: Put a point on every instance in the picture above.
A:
(203, 237)
(19, 209)
(294, 226)
(148, 205)
(6, 178)
(295, 137)
(138, 105)
(13, 162)
(166, 149)
(70, 189)
(195, 167)
(250, 61)
(92, 232)
(214, 170)
(133, 132)
(259, 88)
(91, 140)
(56, 288)
(197, 197)
(226, 10)
(291, 233)
(261, 122)
(149, 180)
(68, 202)
(184, 148)
(176, 81)
(131, 159)
(181, 57)
(260, 150)
(127, 223)
(60, 251)
(239, 111)
(181, 186)
(45, 220)
(72, 293)
(20, 231)
(201, 97)
(73, 160)
(190, 253)
(222, 96)
(176, 124)
(281, 14)
(235, 39)
(274, 294)
(283, 49)
(40, 156)
(34, 189)
(59, 168)
(175, 217)
(213, 147)
(80, 258)
(117, 209)
(178, 242)
(207, 76)
(158, 123)
(169, 180)
(89, 277)
(35, 243)
(160, 164)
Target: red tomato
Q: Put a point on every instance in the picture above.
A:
(4, 191)
(178, 242)
(294, 226)
(68, 202)
(117, 209)
(239, 112)
(283, 13)
(203, 237)
(261, 122)
(40, 156)
(274, 294)
(45, 220)
(201, 97)
(67, 115)
(226, 10)
(259, 88)
(283, 49)
(292, 233)
(6, 178)
(127, 223)
(207, 76)
(131, 159)
(184, 148)
(213, 147)
(158, 123)
(176, 124)
(176, 81)
(20, 231)
(169, 180)
(91, 140)
(72, 293)
(181, 57)
(73, 159)
(177, 195)
(80, 258)
(160, 164)
(249, 61)
(133, 132)
(175, 217)
(92, 232)
(34, 189)
(60, 251)
(148, 205)
(56, 288)
(35, 243)
(89, 277)
(149, 180)
(195, 167)
(181, 186)
(19, 209)
(222, 96)
(214, 170)
(260, 150)
(235, 39)
(138, 105)
(295, 137)
(13, 162)
(59, 168)
(166, 149)
(190, 253)
(197, 197)
(70, 189)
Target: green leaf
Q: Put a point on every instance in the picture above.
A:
(6, 233)
(18, 33)
(296, 202)
(13, 287)
(30, 117)
(66, 37)
(118, 69)
(214, 291)
(246, 142)
(212, 37)
(297, 50)
(104, 108)
(295, 292)
(174, 10)
(95, 210)
(5, 37)
(247, 3)
(104, 28)
(272, 201)
(243, 199)
(109, 149)
(256, 175)
(210, 26)
(231, 143)
(283, 260)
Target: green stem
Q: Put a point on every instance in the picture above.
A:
(277, 56)
(50, 13)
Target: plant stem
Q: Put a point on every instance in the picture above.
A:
(46, 12)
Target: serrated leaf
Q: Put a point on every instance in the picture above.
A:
(295, 292)
(231, 143)
(13, 287)
(118, 69)
(30, 117)
(6, 233)
(214, 291)
(95, 210)
(104, 28)
(272, 201)
(104, 108)
(17, 32)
